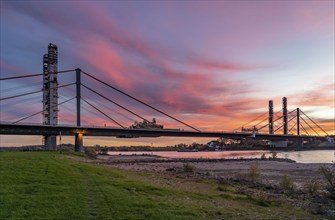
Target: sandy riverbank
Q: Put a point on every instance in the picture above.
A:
(271, 170)
(232, 174)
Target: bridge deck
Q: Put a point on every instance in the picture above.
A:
(26, 129)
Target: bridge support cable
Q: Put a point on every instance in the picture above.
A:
(25, 94)
(283, 124)
(32, 75)
(8, 106)
(314, 123)
(303, 128)
(310, 126)
(109, 108)
(29, 116)
(143, 103)
(19, 77)
(260, 122)
(124, 108)
(292, 127)
(280, 127)
(276, 120)
(265, 119)
(62, 86)
(103, 113)
(30, 93)
(87, 108)
(15, 88)
(259, 116)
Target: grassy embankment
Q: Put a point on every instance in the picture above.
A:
(42, 185)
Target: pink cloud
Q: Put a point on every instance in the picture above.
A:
(107, 61)
(8, 69)
(322, 95)
(108, 51)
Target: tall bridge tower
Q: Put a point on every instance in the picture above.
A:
(270, 117)
(50, 93)
(285, 131)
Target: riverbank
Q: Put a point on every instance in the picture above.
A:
(252, 177)
(319, 156)
(271, 169)
(290, 148)
(55, 185)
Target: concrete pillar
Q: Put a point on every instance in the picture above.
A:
(50, 143)
(78, 145)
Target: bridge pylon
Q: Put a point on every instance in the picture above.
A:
(78, 143)
(78, 94)
(298, 121)
(270, 117)
(50, 94)
(285, 131)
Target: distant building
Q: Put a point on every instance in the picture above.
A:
(50, 92)
(278, 143)
(147, 125)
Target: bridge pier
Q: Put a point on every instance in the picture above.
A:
(50, 143)
(78, 144)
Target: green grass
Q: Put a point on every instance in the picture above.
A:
(44, 185)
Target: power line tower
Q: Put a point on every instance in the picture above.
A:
(50, 93)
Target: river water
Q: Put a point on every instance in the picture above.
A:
(314, 156)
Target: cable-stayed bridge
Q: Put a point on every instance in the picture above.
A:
(283, 125)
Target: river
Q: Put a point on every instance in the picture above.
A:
(312, 156)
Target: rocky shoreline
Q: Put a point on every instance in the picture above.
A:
(236, 173)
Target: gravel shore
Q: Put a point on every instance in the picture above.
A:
(271, 170)
(236, 173)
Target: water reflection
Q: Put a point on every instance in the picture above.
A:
(315, 156)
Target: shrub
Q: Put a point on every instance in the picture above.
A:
(90, 152)
(329, 176)
(312, 186)
(189, 168)
(274, 155)
(254, 172)
(286, 183)
(222, 188)
(103, 151)
(261, 199)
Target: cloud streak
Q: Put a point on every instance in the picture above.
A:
(212, 91)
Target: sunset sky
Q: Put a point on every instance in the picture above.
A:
(213, 65)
